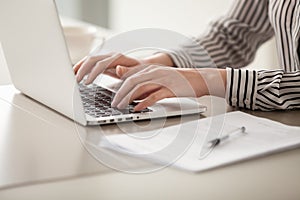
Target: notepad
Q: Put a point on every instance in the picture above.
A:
(182, 145)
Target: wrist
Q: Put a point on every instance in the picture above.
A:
(207, 81)
(159, 58)
(216, 80)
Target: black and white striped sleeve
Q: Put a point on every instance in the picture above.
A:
(264, 89)
(230, 41)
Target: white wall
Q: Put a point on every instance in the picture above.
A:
(70, 8)
(92, 11)
(4, 75)
(189, 17)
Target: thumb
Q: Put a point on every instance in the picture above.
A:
(121, 70)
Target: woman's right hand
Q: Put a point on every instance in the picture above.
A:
(95, 65)
(112, 64)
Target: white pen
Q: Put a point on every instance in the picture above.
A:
(215, 142)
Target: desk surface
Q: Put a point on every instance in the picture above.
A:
(41, 157)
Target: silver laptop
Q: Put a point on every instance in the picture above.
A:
(39, 64)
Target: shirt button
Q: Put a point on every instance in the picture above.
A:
(247, 102)
(234, 100)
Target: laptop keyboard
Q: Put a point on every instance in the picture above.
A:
(97, 102)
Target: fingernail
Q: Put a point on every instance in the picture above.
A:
(121, 106)
(78, 78)
(87, 81)
(113, 103)
(139, 107)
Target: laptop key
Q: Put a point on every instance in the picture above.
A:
(97, 102)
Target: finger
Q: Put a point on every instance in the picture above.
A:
(153, 98)
(140, 69)
(114, 72)
(138, 91)
(100, 67)
(143, 90)
(88, 65)
(121, 70)
(78, 65)
(125, 73)
(128, 85)
(126, 61)
(111, 73)
(146, 94)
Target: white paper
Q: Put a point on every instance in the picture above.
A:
(180, 145)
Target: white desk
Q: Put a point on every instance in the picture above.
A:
(38, 145)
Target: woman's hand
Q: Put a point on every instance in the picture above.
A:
(96, 65)
(108, 64)
(155, 83)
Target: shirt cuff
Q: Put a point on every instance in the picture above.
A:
(241, 89)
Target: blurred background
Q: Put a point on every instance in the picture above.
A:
(189, 17)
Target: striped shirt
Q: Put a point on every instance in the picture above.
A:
(232, 42)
